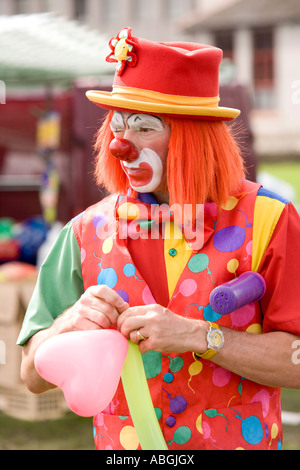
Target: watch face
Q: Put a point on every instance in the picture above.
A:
(216, 339)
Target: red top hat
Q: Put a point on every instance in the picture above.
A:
(177, 79)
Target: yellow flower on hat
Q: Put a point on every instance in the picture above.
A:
(122, 47)
(121, 50)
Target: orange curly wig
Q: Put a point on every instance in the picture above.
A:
(204, 162)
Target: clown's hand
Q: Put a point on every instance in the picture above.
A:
(157, 328)
(99, 307)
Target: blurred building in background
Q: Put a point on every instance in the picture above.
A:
(42, 58)
(261, 39)
(152, 19)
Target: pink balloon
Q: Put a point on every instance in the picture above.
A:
(243, 315)
(262, 396)
(221, 377)
(83, 254)
(148, 297)
(206, 430)
(249, 248)
(188, 287)
(86, 365)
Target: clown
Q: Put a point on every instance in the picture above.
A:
(164, 147)
(145, 168)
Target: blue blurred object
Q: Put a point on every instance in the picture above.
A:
(30, 235)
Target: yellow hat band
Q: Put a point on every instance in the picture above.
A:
(137, 94)
(129, 98)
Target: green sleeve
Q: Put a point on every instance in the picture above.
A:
(58, 287)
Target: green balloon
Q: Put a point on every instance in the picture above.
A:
(176, 363)
(139, 401)
(158, 413)
(212, 413)
(198, 263)
(152, 363)
(182, 435)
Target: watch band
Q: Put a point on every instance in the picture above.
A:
(209, 353)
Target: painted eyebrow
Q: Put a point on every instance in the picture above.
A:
(138, 118)
(151, 115)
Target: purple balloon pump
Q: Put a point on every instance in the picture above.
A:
(245, 289)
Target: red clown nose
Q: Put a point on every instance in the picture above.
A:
(124, 150)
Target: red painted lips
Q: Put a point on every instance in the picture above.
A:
(140, 176)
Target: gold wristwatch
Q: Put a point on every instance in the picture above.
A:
(215, 341)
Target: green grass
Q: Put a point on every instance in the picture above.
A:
(290, 401)
(68, 433)
(287, 171)
(291, 437)
(74, 433)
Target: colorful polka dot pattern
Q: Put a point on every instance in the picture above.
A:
(185, 392)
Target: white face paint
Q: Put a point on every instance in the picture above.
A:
(136, 122)
(144, 174)
(150, 135)
(117, 123)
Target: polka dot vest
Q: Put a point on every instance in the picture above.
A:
(198, 404)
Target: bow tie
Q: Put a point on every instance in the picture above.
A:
(144, 214)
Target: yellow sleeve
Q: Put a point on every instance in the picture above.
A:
(267, 212)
